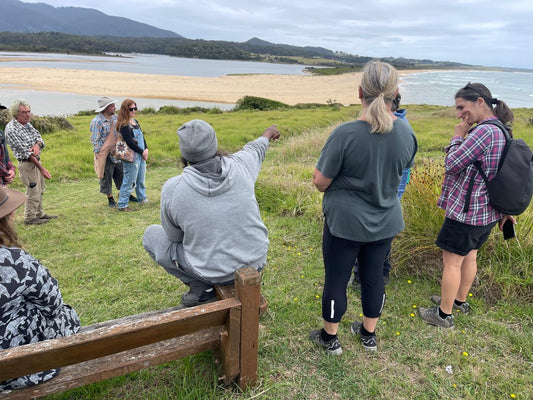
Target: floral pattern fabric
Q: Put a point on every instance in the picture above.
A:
(31, 309)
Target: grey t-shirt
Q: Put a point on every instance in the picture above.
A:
(361, 204)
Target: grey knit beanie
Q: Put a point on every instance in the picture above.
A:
(198, 141)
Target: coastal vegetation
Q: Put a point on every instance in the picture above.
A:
(104, 273)
(251, 50)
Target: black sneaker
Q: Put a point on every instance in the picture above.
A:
(369, 341)
(332, 347)
(133, 199)
(37, 221)
(112, 202)
(192, 298)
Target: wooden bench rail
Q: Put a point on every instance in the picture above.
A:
(228, 326)
(112, 339)
(122, 363)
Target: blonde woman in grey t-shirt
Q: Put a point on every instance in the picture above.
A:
(359, 170)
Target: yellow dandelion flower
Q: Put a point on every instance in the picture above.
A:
(412, 315)
(408, 280)
(296, 299)
(465, 354)
(414, 305)
(301, 276)
(454, 385)
(463, 331)
(397, 333)
(299, 253)
(361, 314)
(317, 296)
(470, 294)
(513, 395)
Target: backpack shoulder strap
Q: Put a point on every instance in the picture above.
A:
(508, 136)
(507, 131)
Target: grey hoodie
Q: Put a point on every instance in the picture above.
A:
(213, 215)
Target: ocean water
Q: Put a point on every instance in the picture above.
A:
(437, 87)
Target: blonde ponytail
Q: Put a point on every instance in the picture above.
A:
(379, 85)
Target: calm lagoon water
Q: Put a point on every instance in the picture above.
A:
(438, 88)
(57, 103)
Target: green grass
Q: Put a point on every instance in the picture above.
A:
(103, 271)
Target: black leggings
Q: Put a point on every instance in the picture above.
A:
(339, 257)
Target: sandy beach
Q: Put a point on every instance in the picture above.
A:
(289, 89)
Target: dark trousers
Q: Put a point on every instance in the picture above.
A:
(339, 257)
(112, 173)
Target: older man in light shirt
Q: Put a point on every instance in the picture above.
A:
(26, 143)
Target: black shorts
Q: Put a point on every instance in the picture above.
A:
(459, 238)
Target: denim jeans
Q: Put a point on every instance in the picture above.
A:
(134, 174)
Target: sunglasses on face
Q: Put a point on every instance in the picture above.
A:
(133, 108)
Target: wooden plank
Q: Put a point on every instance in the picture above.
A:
(111, 339)
(123, 363)
(129, 318)
(228, 291)
(248, 286)
(230, 347)
(225, 291)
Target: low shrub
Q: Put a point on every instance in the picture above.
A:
(173, 110)
(50, 124)
(258, 103)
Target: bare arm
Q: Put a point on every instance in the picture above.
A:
(43, 170)
(320, 181)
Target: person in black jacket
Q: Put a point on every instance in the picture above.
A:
(135, 171)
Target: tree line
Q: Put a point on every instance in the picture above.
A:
(56, 42)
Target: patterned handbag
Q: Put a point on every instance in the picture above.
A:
(121, 150)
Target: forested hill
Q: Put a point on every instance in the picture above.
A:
(252, 50)
(39, 27)
(17, 16)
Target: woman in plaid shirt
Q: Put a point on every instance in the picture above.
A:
(466, 228)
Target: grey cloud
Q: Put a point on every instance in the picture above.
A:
(467, 31)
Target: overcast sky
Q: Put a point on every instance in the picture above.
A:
(490, 33)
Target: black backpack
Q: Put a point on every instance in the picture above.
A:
(510, 191)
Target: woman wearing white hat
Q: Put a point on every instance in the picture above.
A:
(31, 305)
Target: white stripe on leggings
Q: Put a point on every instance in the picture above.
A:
(332, 314)
(382, 304)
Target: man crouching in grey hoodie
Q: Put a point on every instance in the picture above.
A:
(210, 221)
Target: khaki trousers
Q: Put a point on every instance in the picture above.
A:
(32, 178)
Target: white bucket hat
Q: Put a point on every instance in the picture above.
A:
(103, 102)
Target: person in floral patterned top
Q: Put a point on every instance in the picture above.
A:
(31, 305)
